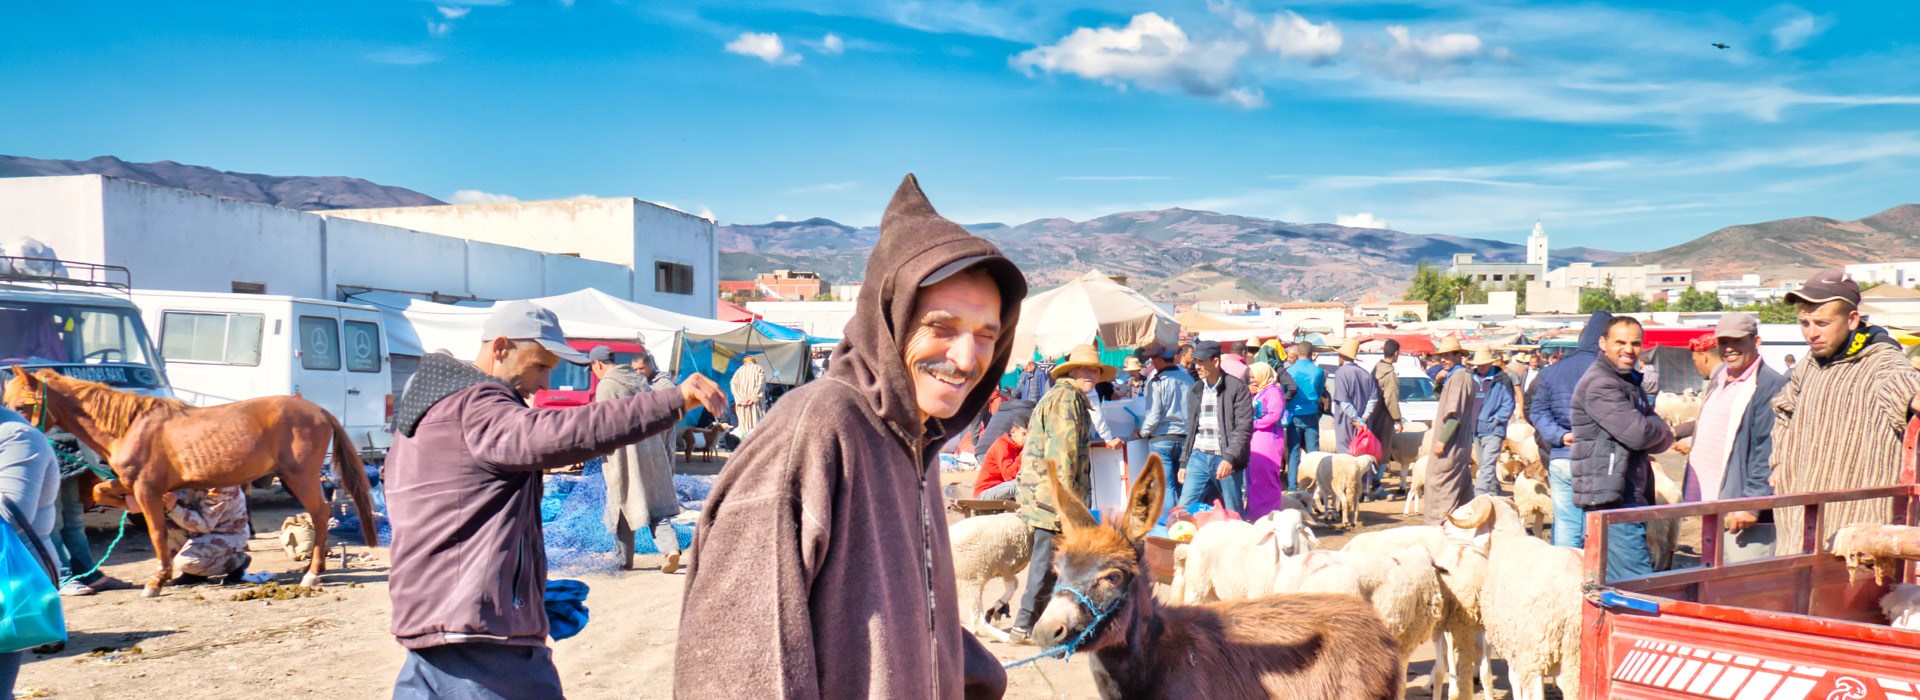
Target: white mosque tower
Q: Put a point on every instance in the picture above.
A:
(1537, 249)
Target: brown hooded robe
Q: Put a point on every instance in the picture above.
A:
(821, 564)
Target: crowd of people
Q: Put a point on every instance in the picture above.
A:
(821, 565)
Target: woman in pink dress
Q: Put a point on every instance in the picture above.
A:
(1267, 459)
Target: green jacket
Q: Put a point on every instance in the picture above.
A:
(1056, 434)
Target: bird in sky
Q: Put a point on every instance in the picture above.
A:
(1721, 46)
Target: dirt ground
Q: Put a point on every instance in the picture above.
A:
(196, 641)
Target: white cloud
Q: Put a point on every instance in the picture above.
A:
(403, 57)
(1360, 220)
(1152, 52)
(439, 29)
(823, 188)
(764, 46)
(1412, 58)
(1796, 30)
(479, 197)
(832, 44)
(453, 12)
(781, 217)
(1113, 178)
(1292, 36)
(707, 213)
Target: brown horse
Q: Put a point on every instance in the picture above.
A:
(156, 446)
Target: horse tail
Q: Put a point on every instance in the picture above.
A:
(353, 474)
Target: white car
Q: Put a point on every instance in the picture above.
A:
(1418, 403)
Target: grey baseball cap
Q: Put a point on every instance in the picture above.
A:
(600, 353)
(523, 320)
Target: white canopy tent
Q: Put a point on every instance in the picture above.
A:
(415, 327)
(1091, 306)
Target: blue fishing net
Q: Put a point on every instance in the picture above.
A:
(579, 542)
(346, 520)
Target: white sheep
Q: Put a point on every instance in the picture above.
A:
(1417, 488)
(1676, 409)
(987, 547)
(1533, 500)
(1236, 560)
(1405, 448)
(1336, 478)
(1902, 606)
(1403, 587)
(1523, 444)
(1526, 596)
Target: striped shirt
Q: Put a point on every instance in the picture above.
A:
(1206, 420)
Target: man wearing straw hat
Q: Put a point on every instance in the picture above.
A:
(1450, 466)
(1057, 437)
(1494, 404)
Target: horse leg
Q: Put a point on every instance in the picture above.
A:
(152, 504)
(307, 491)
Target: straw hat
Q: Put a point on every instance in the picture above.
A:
(1350, 349)
(1084, 356)
(1482, 356)
(1447, 345)
(1132, 364)
(1251, 343)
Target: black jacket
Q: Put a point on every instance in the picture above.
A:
(1615, 434)
(1236, 418)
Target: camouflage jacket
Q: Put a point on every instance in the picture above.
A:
(1057, 434)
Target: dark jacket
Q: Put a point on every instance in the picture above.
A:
(821, 563)
(1236, 418)
(1550, 409)
(1750, 462)
(463, 494)
(1615, 434)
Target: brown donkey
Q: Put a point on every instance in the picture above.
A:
(1283, 646)
(160, 445)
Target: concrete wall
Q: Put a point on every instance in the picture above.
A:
(360, 254)
(185, 241)
(568, 274)
(504, 272)
(63, 212)
(667, 235)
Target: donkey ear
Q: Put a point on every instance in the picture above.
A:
(1073, 513)
(1143, 503)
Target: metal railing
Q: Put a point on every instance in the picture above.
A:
(79, 274)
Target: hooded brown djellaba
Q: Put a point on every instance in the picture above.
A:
(821, 563)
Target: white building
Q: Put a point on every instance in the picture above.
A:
(1538, 254)
(1500, 306)
(178, 240)
(1559, 291)
(1900, 274)
(826, 319)
(1749, 289)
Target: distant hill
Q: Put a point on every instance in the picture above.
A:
(292, 192)
(1171, 254)
(1792, 249)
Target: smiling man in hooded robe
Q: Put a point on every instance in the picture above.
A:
(821, 564)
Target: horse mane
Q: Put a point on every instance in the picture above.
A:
(112, 411)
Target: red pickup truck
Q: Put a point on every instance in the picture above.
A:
(1800, 626)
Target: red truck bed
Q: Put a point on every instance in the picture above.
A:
(1785, 627)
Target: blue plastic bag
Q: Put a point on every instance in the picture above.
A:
(28, 601)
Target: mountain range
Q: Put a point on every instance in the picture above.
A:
(1171, 254)
(291, 192)
(1793, 249)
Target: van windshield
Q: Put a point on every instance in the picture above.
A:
(38, 333)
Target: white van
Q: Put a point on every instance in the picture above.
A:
(221, 348)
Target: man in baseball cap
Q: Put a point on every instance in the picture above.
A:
(1841, 421)
(463, 495)
(1729, 447)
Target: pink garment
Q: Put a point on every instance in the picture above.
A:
(1719, 420)
(1234, 365)
(1267, 453)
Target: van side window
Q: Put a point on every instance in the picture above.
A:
(319, 343)
(363, 346)
(228, 339)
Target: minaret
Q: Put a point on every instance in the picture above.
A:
(1537, 249)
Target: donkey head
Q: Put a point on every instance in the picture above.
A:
(1099, 566)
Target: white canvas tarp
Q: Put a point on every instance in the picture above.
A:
(1091, 306)
(416, 326)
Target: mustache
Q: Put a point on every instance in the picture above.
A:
(945, 367)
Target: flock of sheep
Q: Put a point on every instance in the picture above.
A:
(1428, 583)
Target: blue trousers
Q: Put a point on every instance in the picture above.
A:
(1171, 452)
(1303, 435)
(1627, 553)
(70, 534)
(1569, 522)
(1202, 486)
(1486, 448)
(478, 671)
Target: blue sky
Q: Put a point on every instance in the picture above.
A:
(1615, 124)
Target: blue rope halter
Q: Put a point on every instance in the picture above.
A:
(1066, 650)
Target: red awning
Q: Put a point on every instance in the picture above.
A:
(1410, 343)
(729, 311)
(1658, 336)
